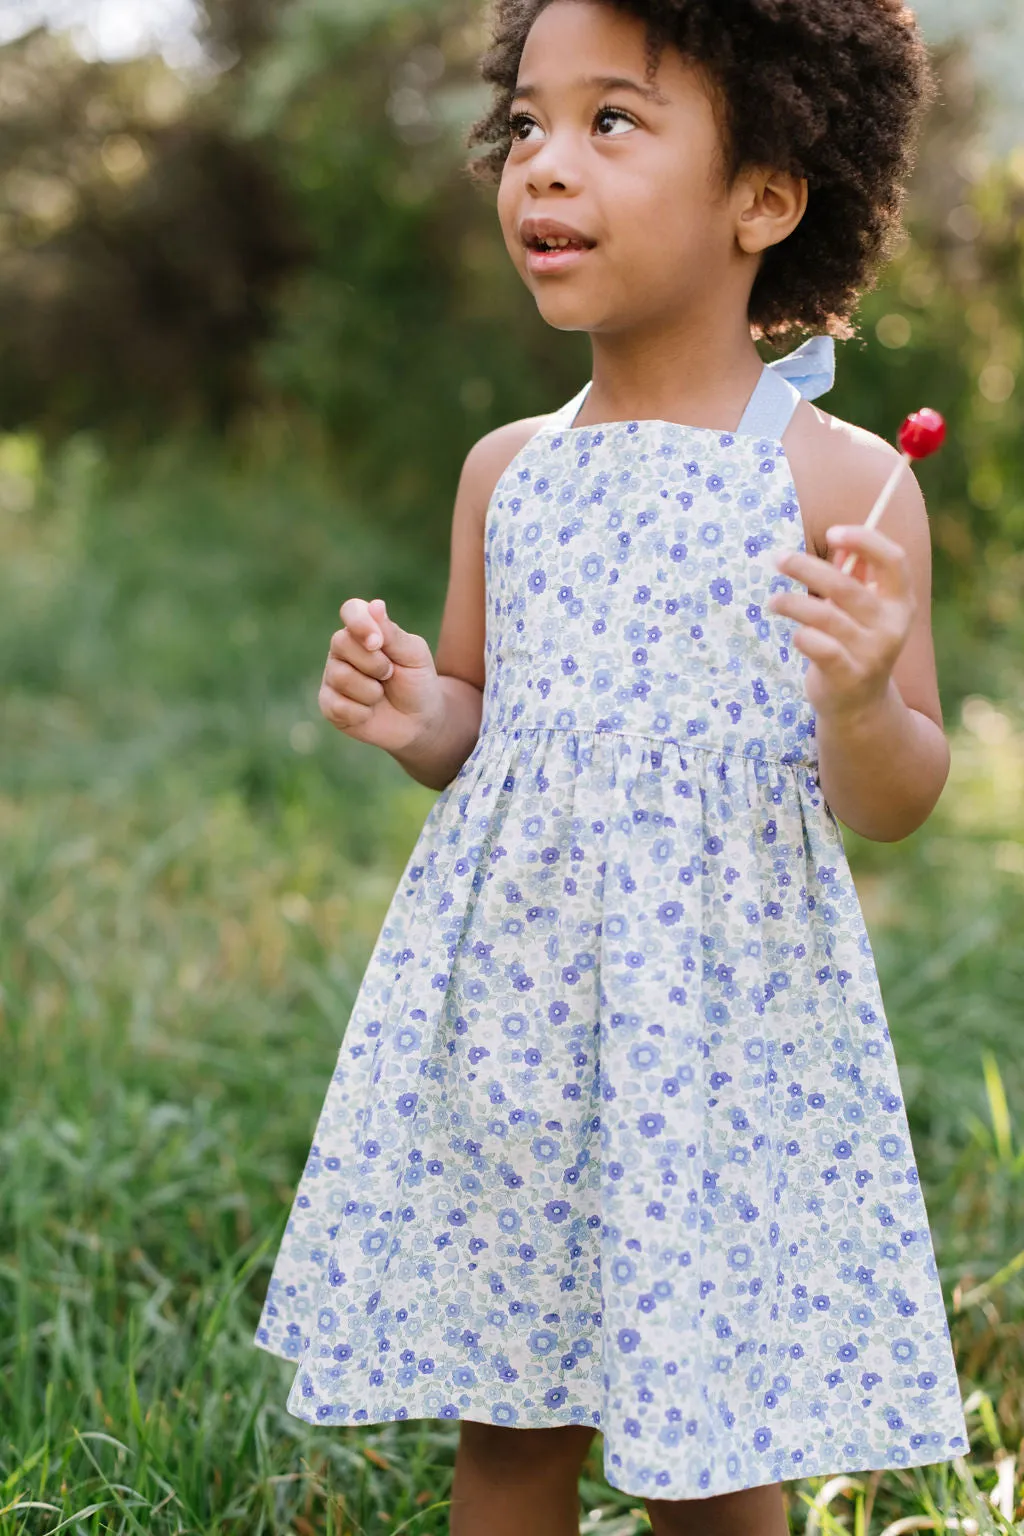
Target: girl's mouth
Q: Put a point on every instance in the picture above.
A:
(555, 254)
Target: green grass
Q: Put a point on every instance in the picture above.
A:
(193, 869)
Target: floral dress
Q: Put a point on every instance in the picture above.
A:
(615, 1135)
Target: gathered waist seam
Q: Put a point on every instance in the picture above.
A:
(690, 746)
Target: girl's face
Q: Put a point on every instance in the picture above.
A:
(627, 169)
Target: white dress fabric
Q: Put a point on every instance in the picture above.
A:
(615, 1135)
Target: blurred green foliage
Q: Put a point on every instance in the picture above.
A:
(140, 242)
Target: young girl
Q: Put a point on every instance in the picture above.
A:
(615, 1139)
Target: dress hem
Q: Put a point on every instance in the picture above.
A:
(819, 1467)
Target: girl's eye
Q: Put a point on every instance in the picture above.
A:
(519, 126)
(616, 118)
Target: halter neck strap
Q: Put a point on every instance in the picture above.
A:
(805, 374)
(771, 407)
(802, 375)
(566, 414)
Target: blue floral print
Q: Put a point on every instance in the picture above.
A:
(615, 1135)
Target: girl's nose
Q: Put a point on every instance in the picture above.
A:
(552, 168)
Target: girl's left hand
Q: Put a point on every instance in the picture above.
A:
(855, 630)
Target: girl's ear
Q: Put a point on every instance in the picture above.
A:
(771, 205)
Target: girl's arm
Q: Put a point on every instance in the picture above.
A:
(883, 755)
(435, 757)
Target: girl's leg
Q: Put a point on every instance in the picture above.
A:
(518, 1482)
(751, 1512)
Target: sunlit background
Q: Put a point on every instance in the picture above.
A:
(252, 316)
(113, 29)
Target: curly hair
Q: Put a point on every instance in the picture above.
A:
(829, 90)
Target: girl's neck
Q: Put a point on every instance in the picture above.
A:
(697, 375)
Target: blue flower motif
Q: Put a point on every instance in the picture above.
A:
(651, 1124)
(557, 1210)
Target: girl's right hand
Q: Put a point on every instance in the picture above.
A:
(380, 684)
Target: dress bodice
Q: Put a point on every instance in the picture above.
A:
(628, 567)
(628, 570)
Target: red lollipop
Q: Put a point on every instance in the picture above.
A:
(921, 434)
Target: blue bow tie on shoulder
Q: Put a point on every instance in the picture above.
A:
(811, 368)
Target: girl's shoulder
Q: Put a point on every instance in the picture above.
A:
(839, 469)
(491, 455)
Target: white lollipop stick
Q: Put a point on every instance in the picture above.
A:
(875, 515)
(921, 434)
